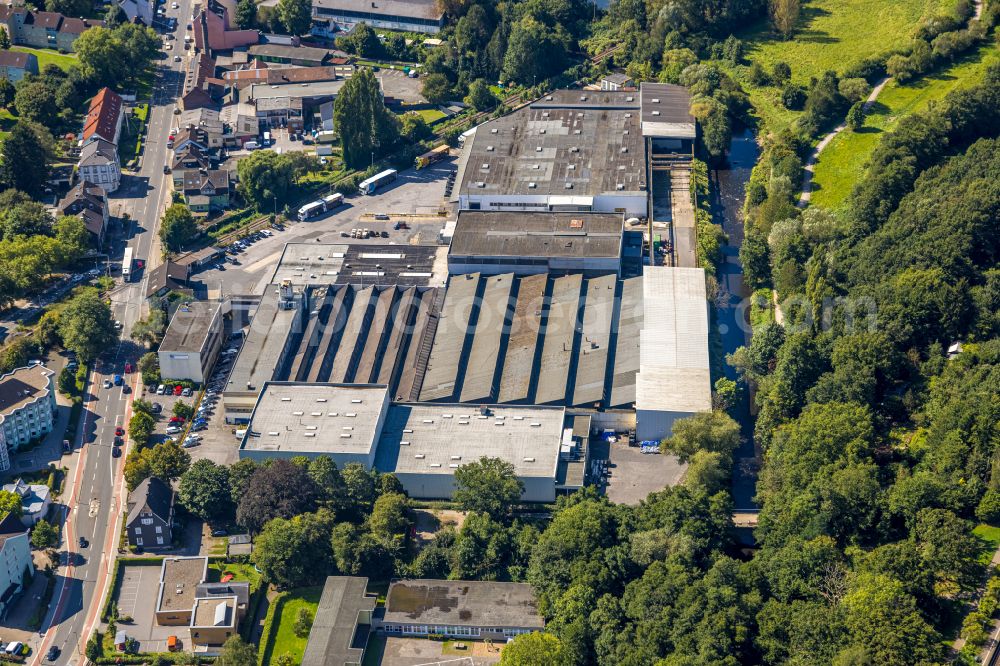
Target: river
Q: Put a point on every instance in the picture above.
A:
(728, 188)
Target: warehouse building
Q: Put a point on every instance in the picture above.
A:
(493, 242)
(342, 421)
(192, 341)
(575, 150)
(362, 263)
(422, 444)
(331, 17)
(461, 609)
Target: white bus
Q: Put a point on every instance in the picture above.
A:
(127, 265)
(320, 206)
(369, 185)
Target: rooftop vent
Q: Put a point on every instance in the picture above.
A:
(545, 114)
(489, 149)
(453, 466)
(312, 434)
(569, 186)
(541, 131)
(456, 457)
(435, 464)
(656, 113)
(549, 98)
(628, 115)
(619, 187)
(350, 415)
(286, 400)
(536, 166)
(624, 149)
(494, 131)
(629, 99)
(356, 401)
(583, 98)
(297, 413)
(655, 100)
(528, 459)
(419, 456)
(486, 166)
(532, 186)
(273, 433)
(574, 149)
(538, 149)
(320, 399)
(480, 184)
(571, 167)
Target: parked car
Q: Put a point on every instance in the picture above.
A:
(157, 408)
(83, 542)
(52, 654)
(119, 431)
(177, 419)
(161, 389)
(118, 441)
(173, 430)
(116, 452)
(219, 533)
(178, 389)
(186, 392)
(108, 384)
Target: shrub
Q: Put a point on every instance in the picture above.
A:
(793, 97)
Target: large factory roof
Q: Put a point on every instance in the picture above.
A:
(299, 418)
(420, 438)
(580, 145)
(666, 111)
(674, 371)
(518, 234)
(357, 263)
(263, 350)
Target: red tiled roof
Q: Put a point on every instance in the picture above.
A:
(102, 118)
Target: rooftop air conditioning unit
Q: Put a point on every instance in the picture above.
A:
(532, 186)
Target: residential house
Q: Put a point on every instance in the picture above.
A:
(15, 65)
(207, 192)
(188, 137)
(99, 164)
(197, 98)
(138, 10)
(27, 408)
(15, 561)
(191, 158)
(35, 500)
(43, 30)
(150, 515)
(208, 121)
(90, 202)
(104, 117)
(240, 123)
(212, 612)
(213, 32)
(168, 276)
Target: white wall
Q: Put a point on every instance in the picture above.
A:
(442, 486)
(652, 424)
(181, 365)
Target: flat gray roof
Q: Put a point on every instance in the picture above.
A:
(674, 371)
(462, 603)
(592, 360)
(423, 9)
(571, 143)
(528, 234)
(666, 111)
(295, 418)
(557, 349)
(261, 91)
(490, 327)
(362, 263)
(342, 607)
(425, 438)
(179, 580)
(189, 326)
(453, 324)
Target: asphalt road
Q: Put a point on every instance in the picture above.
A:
(96, 490)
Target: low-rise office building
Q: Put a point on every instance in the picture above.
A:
(343, 622)
(461, 609)
(336, 16)
(27, 409)
(192, 342)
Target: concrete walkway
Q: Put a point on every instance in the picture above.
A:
(807, 177)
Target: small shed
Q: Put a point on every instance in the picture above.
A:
(120, 638)
(239, 544)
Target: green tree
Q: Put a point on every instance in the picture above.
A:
(115, 16)
(36, 101)
(204, 491)
(177, 228)
(534, 649)
(534, 52)
(116, 56)
(150, 329)
(295, 15)
(267, 179)
(44, 535)
(24, 160)
(237, 652)
(480, 97)
(436, 88)
(67, 382)
(246, 14)
(414, 128)
(182, 409)
(140, 427)
(167, 461)
(86, 325)
(10, 503)
(7, 92)
(25, 218)
(73, 236)
(279, 490)
(330, 487)
(366, 128)
(361, 41)
(856, 116)
(4, 39)
(707, 431)
(292, 552)
(303, 623)
(149, 367)
(784, 15)
(389, 520)
(488, 485)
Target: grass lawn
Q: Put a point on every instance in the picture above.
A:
(991, 541)
(241, 572)
(49, 57)
(841, 165)
(832, 35)
(281, 638)
(430, 115)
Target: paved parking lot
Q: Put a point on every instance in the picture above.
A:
(218, 443)
(635, 474)
(413, 193)
(400, 651)
(137, 598)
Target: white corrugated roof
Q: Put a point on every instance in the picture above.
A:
(673, 343)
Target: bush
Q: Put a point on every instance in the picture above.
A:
(781, 72)
(303, 623)
(988, 510)
(793, 97)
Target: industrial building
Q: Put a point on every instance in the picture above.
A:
(340, 333)
(363, 264)
(493, 242)
(192, 341)
(461, 608)
(422, 444)
(331, 17)
(575, 150)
